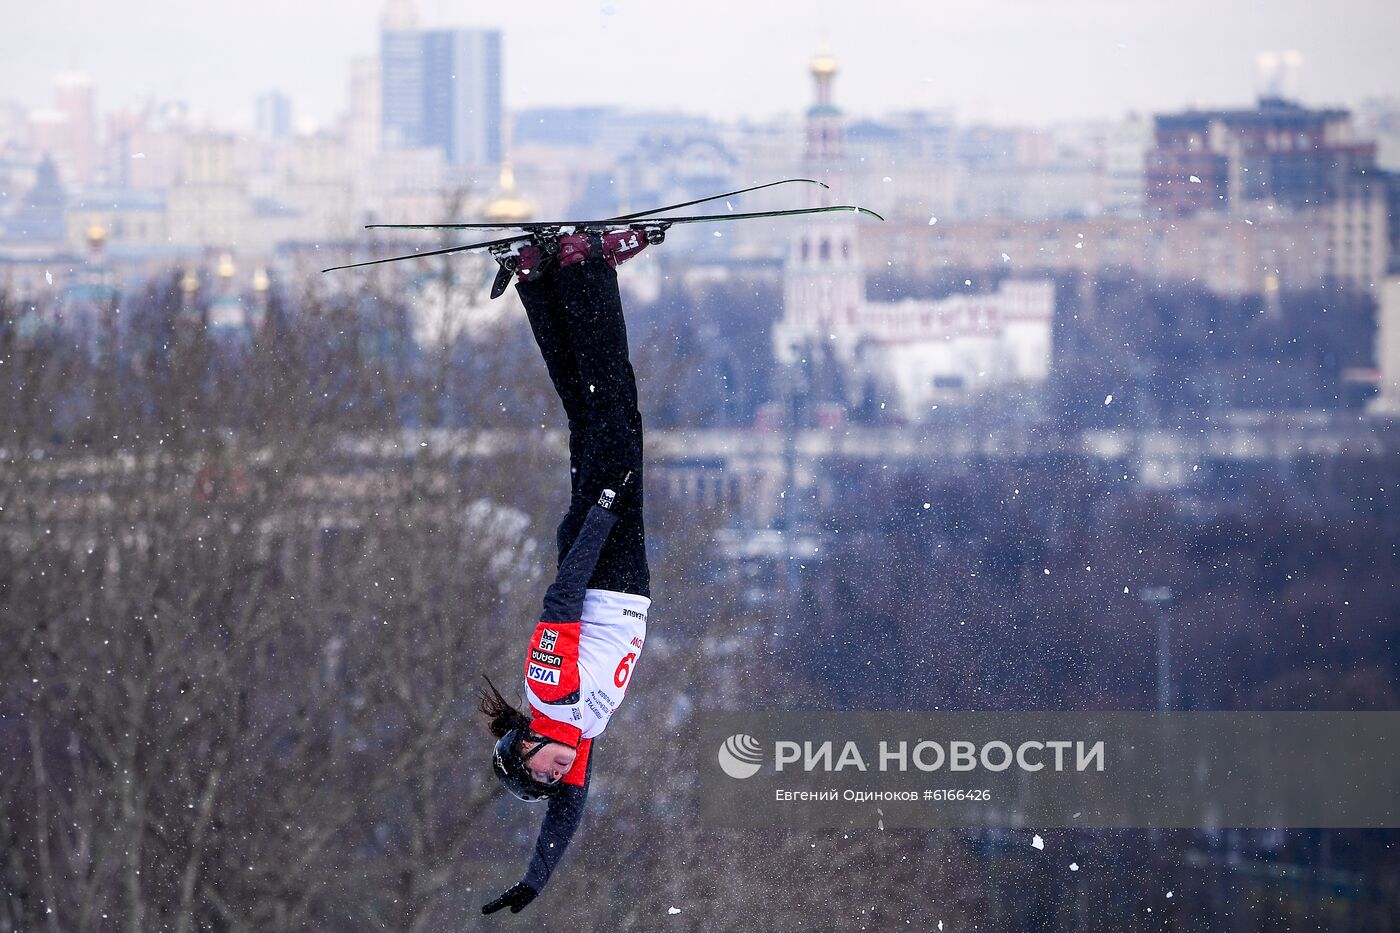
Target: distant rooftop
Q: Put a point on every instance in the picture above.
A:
(1273, 111)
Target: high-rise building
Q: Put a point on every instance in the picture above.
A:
(145, 146)
(462, 94)
(74, 97)
(1279, 157)
(366, 119)
(441, 88)
(274, 115)
(1279, 152)
(208, 205)
(67, 132)
(401, 76)
(1387, 401)
(1123, 181)
(1378, 118)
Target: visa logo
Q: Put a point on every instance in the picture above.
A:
(545, 675)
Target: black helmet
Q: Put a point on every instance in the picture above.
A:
(512, 768)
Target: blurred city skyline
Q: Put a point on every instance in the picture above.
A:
(1018, 62)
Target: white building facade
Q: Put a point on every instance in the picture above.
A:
(921, 351)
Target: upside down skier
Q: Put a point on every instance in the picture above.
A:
(584, 649)
(585, 646)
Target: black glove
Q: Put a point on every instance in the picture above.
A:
(516, 898)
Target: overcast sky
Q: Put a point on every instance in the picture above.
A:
(1023, 61)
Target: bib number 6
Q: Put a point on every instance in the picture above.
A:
(624, 669)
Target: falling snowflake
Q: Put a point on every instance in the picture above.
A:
(1108, 399)
(1005, 258)
(1195, 179)
(48, 276)
(673, 910)
(1037, 842)
(1074, 866)
(932, 221)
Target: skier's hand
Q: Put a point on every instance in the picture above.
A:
(516, 898)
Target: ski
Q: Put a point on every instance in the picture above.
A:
(647, 213)
(630, 220)
(531, 231)
(624, 221)
(503, 241)
(719, 197)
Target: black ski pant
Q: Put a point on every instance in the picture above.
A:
(576, 315)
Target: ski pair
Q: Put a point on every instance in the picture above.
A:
(544, 233)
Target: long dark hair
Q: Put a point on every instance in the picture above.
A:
(501, 715)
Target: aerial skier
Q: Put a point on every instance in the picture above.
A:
(590, 633)
(585, 646)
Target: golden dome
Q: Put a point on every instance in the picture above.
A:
(225, 268)
(507, 208)
(96, 234)
(824, 64)
(261, 282)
